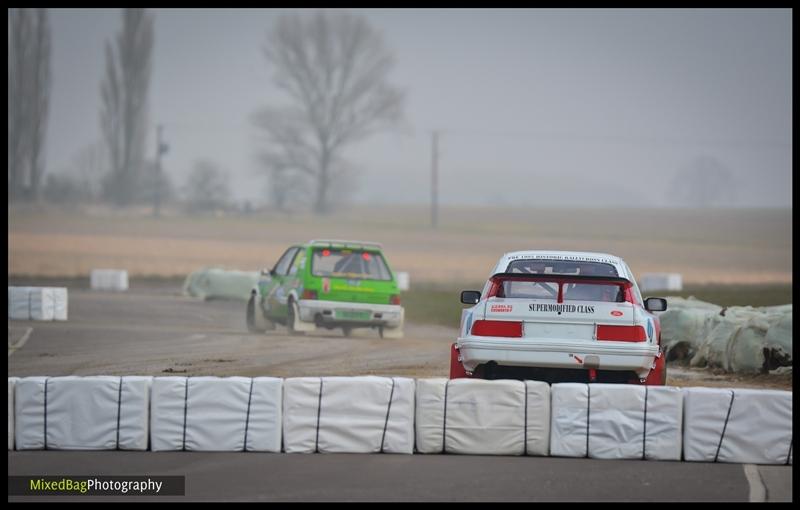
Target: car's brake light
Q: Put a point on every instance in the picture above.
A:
(394, 299)
(621, 333)
(497, 328)
(309, 294)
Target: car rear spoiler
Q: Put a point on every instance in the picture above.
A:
(576, 278)
(347, 244)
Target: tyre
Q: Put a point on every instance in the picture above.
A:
(291, 318)
(251, 316)
(347, 331)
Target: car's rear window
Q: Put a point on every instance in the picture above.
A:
(562, 267)
(352, 264)
(544, 290)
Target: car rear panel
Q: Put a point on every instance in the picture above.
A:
(549, 320)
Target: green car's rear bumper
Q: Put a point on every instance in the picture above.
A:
(351, 314)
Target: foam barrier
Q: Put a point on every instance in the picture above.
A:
(374, 414)
(82, 413)
(11, 383)
(738, 425)
(37, 303)
(616, 421)
(108, 279)
(216, 414)
(472, 416)
(348, 415)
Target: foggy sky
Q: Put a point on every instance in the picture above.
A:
(535, 107)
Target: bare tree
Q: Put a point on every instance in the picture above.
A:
(703, 183)
(29, 42)
(123, 116)
(334, 68)
(206, 187)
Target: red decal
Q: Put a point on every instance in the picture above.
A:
(616, 313)
(500, 308)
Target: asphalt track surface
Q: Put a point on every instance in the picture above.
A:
(155, 331)
(384, 477)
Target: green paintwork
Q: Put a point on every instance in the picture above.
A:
(296, 276)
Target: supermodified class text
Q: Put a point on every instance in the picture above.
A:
(546, 307)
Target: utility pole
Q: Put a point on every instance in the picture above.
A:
(161, 148)
(435, 180)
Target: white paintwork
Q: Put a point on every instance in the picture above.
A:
(561, 336)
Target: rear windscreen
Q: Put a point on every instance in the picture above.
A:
(353, 264)
(563, 267)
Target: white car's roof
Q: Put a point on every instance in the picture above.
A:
(577, 256)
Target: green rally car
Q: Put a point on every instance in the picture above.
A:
(328, 284)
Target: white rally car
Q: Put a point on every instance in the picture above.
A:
(560, 316)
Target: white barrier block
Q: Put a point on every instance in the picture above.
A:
(650, 282)
(737, 425)
(538, 418)
(11, 382)
(403, 280)
(348, 414)
(82, 413)
(60, 303)
(569, 414)
(167, 418)
(19, 306)
(484, 417)
(266, 415)
(430, 415)
(109, 279)
(616, 421)
(473, 416)
(29, 423)
(216, 414)
(664, 433)
(42, 303)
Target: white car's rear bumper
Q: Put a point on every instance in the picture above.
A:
(635, 356)
(354, 314)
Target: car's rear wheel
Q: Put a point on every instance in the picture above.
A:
(292, 317)
(347, 331)
(251, 316)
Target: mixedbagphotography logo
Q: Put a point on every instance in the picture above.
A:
(96, 485)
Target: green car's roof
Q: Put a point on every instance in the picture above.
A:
(364, 245)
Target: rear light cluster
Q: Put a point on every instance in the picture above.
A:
(511, 329)
(394, 299)
(309, 294)
(621, 333)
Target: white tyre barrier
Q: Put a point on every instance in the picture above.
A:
(738, 425)
(60, 303)
(478, 417)
(11, 383)
(616, 421)
(108, 279)
(348, 415)
(42, 303)
(403, 280)
(381, 414)
(37, 303)
(19, 306)
(216, 414)
(82, 413)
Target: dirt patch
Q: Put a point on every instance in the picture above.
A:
(705, 246)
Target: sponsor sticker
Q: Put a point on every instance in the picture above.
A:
(616, 313)
(501, 308)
